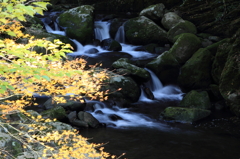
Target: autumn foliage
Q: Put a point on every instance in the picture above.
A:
(24, 72)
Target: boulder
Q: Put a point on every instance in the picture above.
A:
(183, 26)
(79, 23)
(196, 72)
(229, 84)
(170, 19)
(185, 46)
(195, 99)
(134, 70)
(111, 45)
(142, 31)
(154, 12)
(184, 115)
(166, 67)
(122, 88)
(219, 61)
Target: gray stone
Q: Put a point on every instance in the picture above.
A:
(154, 12)
(170, 19)
(88, 118)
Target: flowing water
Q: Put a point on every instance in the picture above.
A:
(139, 133)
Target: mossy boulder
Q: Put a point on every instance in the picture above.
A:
(142, 31)
(154, 12)
(196, 72)
(195, 99)
(79, 23)
(134, 70)
(229, 84)
(184, 115)
(219, 61)
(88, 118)
(181, 27)
(166, 67)
(170, 19)
(185, 46)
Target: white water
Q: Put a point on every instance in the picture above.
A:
(159, 91)
(101, 32)
(129, 119)
(120, 35)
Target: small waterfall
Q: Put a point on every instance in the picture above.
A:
(122, 117)
(120, 35)
(50, 30)
(159, 91)
(101, 30)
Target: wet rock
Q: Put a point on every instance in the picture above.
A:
(114, 26)
(196, 72)
(195, 99)
(148, 92)
(99, 112)
(170, 19)
(154, 12)
(79, 23)
(111, 45)
(206, 43)
(181, 27)
(115, 117)
(88, 118)
(92, 51)
(142, 31)
(184, 115)
(160, 50)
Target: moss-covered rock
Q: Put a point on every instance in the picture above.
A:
(229, 81)
(136, 71)
(214, 47)
(181, 27)
(185, 46)
(184, 115)
(196, 72)
(170, 19)
(166, 67)
(220, 60)
(154, 12)
(142, 31)
(79, 23)
(195, 99)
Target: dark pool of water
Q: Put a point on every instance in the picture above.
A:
(176, 141)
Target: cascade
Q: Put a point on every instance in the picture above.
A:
(159, 91)
(101, 30)
(120, 35)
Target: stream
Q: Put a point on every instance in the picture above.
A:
(139, 133)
